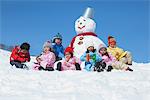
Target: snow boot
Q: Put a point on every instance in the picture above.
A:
(129, 69)
(41, 68)
(103, 64)
(98, 67)
(78, 66)
(49, 69)
(25, 67)
(59, 66)
(109, 68)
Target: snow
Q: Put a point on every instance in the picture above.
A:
(16, 84)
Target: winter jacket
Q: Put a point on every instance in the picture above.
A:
(70, 65)
(118, 53)
(48, 60)
(58, 49)
(111, 60)
(16, 55)
(93, 58)
(108, 60)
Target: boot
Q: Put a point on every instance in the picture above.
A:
(41, 68)
(49, 69)
(129, 69)
(103, 64)
(59, 66)
(78, 66)
(109, 68)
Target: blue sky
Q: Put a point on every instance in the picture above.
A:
(37, 21)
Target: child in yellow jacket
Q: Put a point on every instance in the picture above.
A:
(118, 53)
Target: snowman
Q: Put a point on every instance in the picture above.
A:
(85, 29)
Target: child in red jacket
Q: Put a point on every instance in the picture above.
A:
(20, 55)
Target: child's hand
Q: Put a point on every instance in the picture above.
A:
(38, 60)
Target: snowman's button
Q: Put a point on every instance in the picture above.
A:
(81, 38)
(80, 42)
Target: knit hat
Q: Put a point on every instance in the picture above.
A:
(69, 49)
(57, 36)
(47, 44)
(101, 46)
(88, 44)
(109, 37)
(25, 46)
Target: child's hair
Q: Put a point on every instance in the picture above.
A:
(110, 37)
(87, 51)
(51, 49)
(71, 54)
(105, 53)
(55, 40)
(25, 46)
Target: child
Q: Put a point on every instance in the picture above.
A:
(69, 62)
(20, 55)
(111, 61)
(46, 60)
(57, 46)
(90, 57)
(121, 55)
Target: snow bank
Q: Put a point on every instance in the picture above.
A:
(18, 84)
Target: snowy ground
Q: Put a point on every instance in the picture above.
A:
(17, 84)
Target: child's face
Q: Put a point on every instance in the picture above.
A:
(103, 51)
(24, 52)
(91, 48)
(46, 49)
(67, 55)
(58, 41)
(112, 43)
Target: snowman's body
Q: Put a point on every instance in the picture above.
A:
(85, 28)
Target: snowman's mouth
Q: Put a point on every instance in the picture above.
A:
(81, 27)
(80, 43)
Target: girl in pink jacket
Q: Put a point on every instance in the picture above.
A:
(47, 59)
(111, 61)
(69, 62)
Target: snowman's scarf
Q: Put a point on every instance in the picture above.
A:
(82, 34)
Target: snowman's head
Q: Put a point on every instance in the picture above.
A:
(84, 24)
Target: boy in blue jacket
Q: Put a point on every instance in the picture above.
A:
(57, 46)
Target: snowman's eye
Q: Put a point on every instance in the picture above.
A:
(84, 20)
(78, 20)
